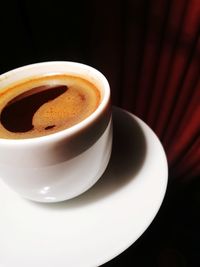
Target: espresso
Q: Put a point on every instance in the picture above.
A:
(45, 105)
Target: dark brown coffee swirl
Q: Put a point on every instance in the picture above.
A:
(45, 105)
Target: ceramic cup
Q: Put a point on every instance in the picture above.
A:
(62, 165)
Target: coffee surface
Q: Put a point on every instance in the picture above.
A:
(45, 105)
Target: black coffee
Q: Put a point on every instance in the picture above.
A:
(45, 105)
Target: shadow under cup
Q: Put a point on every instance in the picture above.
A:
(62, 165)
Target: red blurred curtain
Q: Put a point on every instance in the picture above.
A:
(150, 52)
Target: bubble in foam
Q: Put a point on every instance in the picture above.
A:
(49, 127)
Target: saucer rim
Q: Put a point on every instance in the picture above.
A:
(131, 241)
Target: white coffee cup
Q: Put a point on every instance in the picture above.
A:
(61, 165)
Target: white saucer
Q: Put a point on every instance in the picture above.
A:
(100, 224)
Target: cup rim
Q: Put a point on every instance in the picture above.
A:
(75, 128)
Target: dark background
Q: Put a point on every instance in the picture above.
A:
(150, 53)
